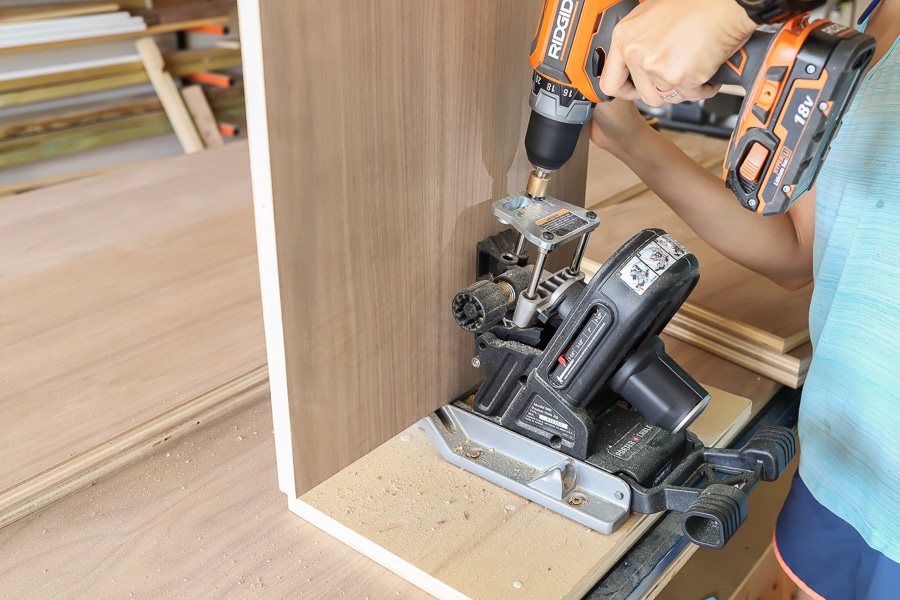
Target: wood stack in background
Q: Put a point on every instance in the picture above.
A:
(157, 12)
(76, 95)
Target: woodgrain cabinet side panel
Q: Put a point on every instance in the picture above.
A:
(392, 126)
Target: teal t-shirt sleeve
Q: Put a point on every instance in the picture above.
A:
(850, 413)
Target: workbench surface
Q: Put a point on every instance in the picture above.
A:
(201, 516)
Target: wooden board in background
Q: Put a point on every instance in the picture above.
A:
(122, 297)
(743, 331)
(745, 345)
(198, 106)
(152, 30)
(168, 93)
(725, 287)
(610, 181)
(458, 536)
(786, 368)
(58, 12)
(59, 141)
(25, 8)
(376, 159)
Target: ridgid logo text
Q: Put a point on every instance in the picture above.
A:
(563, 20)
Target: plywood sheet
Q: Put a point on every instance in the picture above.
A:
(458, 536)
(787, 368)
(122, 297)
(199, 518)
(389, 129)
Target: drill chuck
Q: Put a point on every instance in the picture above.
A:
(537, 183)
(550, 143)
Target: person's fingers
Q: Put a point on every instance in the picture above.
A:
(615, 80)
(648, 90)
(668, 94)
(695, 94)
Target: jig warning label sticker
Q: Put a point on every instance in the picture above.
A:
(671, 245)
(542, 416)
(561, 223)
(638, 275)
(654, 259)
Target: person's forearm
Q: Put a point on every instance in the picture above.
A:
(775, 247)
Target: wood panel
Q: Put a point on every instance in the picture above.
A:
(200, 518)
(384, 133)
(458, 536)
(122, 297)
(84, 468)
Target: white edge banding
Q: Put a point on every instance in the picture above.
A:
(261, 180)
(372, 550)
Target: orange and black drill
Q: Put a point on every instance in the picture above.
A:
(798, 80)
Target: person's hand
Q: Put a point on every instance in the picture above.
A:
(667, 50)
(616, 124)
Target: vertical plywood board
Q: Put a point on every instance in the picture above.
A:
(384, 132)
(169, 95)
(198, 106)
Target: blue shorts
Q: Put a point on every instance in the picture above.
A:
(826, 557)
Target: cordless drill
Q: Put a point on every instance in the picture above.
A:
(799, 82)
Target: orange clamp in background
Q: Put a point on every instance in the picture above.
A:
(211, 29)
(229, 129)
(214, 79)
